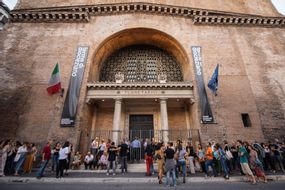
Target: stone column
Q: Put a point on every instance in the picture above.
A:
(188, 123)
(92, 135)
(117, 120)
(164, 119)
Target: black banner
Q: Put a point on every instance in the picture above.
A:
(207, 116)
(70, 104)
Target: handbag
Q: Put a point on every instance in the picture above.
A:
(229, 155)
(17, 157)
(258, 162)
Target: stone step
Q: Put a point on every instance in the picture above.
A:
(134, 168)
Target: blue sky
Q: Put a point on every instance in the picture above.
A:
(279, 4)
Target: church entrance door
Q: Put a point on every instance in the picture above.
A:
(141, 127)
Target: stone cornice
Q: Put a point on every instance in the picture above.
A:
(160, 86)
(82, 13)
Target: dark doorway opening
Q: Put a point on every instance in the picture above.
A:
(140, 127)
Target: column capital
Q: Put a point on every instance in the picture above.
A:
(163, 99)
(118, 100)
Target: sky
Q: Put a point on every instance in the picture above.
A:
(10, 3)
(279, 4)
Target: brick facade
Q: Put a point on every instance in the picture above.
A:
(251, 62)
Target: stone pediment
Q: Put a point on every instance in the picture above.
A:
(198, 16)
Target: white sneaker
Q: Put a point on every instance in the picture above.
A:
(107, 173)
(114, 174)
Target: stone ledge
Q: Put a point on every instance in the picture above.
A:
(50, 17)
(238, 20)
(199, 16)
(103, 85)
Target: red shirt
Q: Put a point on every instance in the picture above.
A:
(47, 152)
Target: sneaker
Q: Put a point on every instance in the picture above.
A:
(114, 174)
(206, 176)
(107, 173)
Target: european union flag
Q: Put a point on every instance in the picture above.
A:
(214, 82)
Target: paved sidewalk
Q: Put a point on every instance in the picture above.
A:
(82, 176)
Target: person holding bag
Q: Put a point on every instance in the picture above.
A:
(20, 157)
(201, 158)
(62, 159)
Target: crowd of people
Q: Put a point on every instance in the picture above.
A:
(173, 160)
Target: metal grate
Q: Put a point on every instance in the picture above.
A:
(141, 63)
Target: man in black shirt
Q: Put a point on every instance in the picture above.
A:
(170, 164)
(124, 148)
(275, 148)
(112, 158)
(169, 152)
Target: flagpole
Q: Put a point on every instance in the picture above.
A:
(222, 118)
(218, 102)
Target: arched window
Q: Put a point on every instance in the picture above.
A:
(141, 63)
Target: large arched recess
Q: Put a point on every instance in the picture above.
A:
(135, 36)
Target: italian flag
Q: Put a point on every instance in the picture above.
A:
(54, 85)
